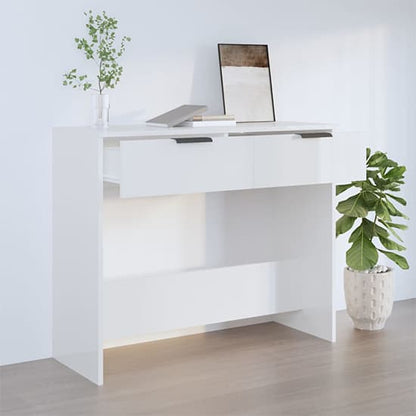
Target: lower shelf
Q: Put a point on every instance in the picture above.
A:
(184, 332)
(137, 306)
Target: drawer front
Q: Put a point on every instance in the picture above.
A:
(165, 167)
(289, 160)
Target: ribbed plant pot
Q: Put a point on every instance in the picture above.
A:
(369, 298)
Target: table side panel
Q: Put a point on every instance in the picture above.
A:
(77, 262)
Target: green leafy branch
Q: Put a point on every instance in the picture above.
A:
(102, 49)
(378, 201)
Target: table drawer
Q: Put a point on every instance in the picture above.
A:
(166, 167)
(289, 160)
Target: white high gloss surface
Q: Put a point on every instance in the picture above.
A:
(151, 167)
(164, 167)
(145, 131)
(254, 251)
(77, 252)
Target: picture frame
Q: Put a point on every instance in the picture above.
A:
(246, 82)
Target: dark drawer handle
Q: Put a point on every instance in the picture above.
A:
(315, 135)
(181, 140)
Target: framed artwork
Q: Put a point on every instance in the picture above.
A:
(246, 82)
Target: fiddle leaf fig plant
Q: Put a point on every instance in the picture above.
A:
(375, 209)
(100, 46)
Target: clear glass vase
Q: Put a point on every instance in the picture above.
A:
(100, 110)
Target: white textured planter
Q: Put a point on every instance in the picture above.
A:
(369, 298)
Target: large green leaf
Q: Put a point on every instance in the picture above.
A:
(383, 212)
(394, 188)
(380, 231)
(381, 183)
(366, 228)
(390, 244)
(391, 229)
(370, 199)
(371, 173)
(393, 210)
(368, 186)
(398, 226)
(369, 229)
(362, 255)
(388, 164)
(344, 224)
(356, 234)
(398, 199)
(376, 159)
(399, 260)
(396, 173)
(353, 207)
(341, 188)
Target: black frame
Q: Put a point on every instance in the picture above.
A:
(270, 78)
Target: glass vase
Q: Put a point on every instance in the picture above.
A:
(100, 110)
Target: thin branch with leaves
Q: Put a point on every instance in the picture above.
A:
(101, 48)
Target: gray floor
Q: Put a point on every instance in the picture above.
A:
(265, 369)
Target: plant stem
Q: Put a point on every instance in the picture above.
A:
(375, 219)
(99, 68)
(99, 78)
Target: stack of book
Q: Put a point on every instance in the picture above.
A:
(205, 121)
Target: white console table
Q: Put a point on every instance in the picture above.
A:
(155, 231)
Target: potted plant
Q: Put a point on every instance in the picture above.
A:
(369, 287)
(101, 48)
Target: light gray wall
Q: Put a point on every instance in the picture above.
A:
(350, 62)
